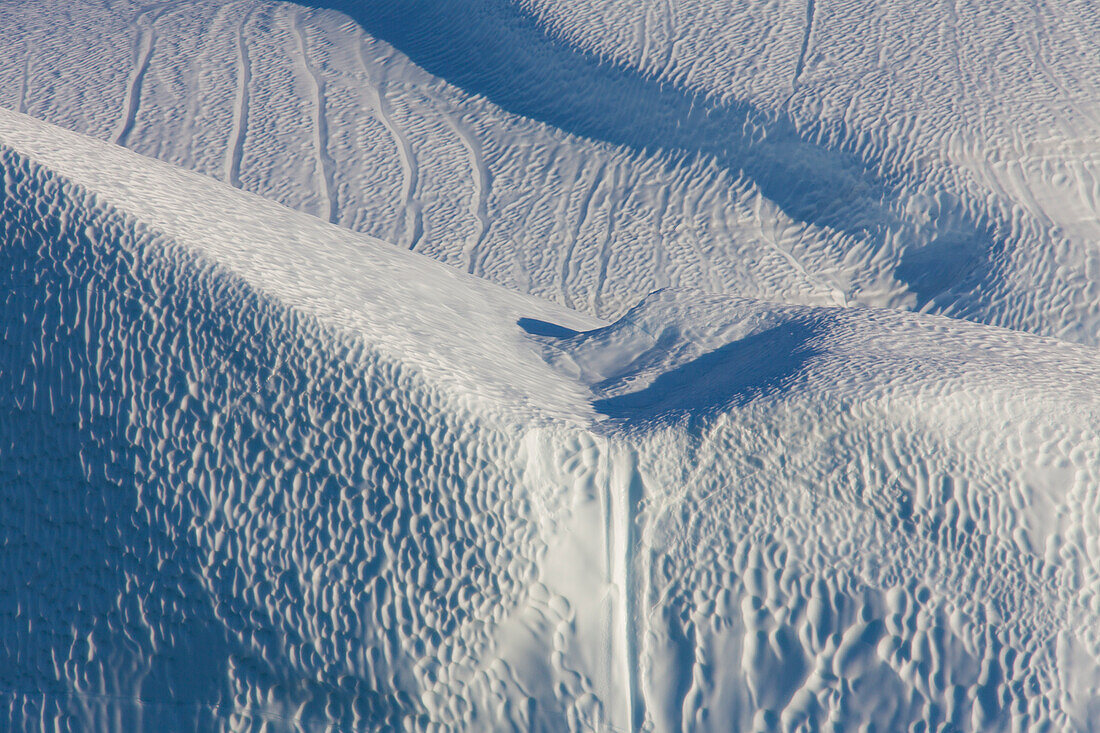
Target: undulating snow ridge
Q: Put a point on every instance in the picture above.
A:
(246, 480)
(250, 477)
(937, 159)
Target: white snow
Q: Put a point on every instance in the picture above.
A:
(700, 412)
(590, 152)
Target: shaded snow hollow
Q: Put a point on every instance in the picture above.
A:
(250, 478)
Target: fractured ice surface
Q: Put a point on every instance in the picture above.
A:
(256, 468)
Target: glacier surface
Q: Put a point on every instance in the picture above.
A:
(742, 375)
(940, 159)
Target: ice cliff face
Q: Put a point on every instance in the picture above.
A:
(257, 470)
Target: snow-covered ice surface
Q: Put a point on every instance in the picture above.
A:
(940, 157)
(258, 468)
(613, 455)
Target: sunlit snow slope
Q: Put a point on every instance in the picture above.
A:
(257, 468)
(938, 156)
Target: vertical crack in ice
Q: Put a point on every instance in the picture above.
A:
(619, 193)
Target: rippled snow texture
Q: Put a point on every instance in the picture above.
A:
(940, 158)
(233, 499)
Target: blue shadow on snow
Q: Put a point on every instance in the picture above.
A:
(726, 377)
(495, 49)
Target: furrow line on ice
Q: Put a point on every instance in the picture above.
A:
(143, 52)
(582, 215)
(620, 192)
(625, 488)
(410, 170)
(326, 179)
(807, 32)
(24, 81)
(239, 131)
(480, 197)
(769, 231)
